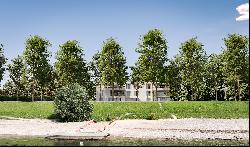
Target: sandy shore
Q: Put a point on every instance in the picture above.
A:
(151, 129)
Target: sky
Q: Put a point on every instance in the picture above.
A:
(93, 21)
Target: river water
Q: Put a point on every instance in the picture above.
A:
(39, 141)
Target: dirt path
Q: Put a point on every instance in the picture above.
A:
(160, 129)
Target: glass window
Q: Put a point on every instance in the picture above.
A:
(128, 93)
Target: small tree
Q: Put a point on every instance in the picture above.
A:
(15, 73)
(136, 78)
(236, 58)
(193, 59)
(95, 72)
(153, 57)
(71, 103)
(112, 65)
(70, 66)
(2, 62)
(37, 56)
(214, 74)
(173, 78)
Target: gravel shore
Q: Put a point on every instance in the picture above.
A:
(237, 129)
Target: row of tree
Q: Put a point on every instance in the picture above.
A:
(191, 74)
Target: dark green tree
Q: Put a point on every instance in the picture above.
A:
(173, 78)
(15, 73)
(153, 58)
(71, 68)
(236, 58)
(94, 70)
(36, 55)
(193, 59)
(112, 65)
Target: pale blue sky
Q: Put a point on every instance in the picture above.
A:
(93, 21)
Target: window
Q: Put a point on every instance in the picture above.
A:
(148, 86)
(148, 93)
(117, 93)
(128, 86)
(128, 93)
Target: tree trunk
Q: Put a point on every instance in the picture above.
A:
(235, 98)
(225, 90)
(100, 92)
(113, 92)
(41, 94)
(153, 91)
(137, 94)
(32, 95)
(238, 85)
(17, 95)
(156, 93)
(216, 94)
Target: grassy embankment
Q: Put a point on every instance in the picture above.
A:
(106, 111)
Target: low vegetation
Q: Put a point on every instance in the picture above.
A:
(107, 111)
(71, 104)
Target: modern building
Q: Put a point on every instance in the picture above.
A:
(129, 93)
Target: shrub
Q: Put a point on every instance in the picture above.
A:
(71, 103)
(24, 98)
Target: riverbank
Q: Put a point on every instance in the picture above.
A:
(187, 129)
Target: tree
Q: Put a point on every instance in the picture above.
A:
(214, 75)
(71, 68)
(173, 77)
(236, 60)
(2, 62)
(15, 72)
(193, 59)
(112, 65)
(95, 72)
(9, 88)
(136, 78)
(36, 56)
(153, 57)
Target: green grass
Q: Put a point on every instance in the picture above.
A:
(106, 111)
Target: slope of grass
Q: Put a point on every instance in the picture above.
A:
(106, 111)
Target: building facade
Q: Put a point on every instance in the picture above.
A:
(129, 93)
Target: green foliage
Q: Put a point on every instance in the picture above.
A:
(173, 78)
(36, 56)
(111, 63)
(214, 78)
(2, 62)
(15, 73)
(70, 66)
(153, 57)
(193, 59)
(95, 71)
(236, 58)
(71, 103)
(136, 78)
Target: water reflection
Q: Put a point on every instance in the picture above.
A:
(38, 141)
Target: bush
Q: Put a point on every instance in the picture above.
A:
(24, 98)
(71, 104)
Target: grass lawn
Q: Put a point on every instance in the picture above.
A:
(106, 111)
